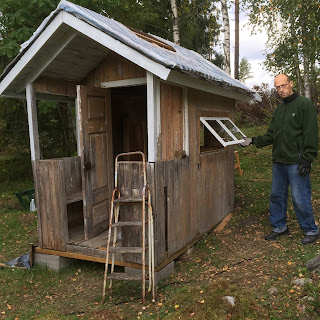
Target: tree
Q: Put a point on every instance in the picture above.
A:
(245, 70)
(236, 40)
(293, 39)
(175, 24)
(226, 34)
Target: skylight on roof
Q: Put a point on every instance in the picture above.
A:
(151, 39)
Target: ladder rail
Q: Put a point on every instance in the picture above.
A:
(115, 191)
(146, 213)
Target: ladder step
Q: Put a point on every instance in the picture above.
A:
(127, 224)
(129, 200)
(126, 250)
(125, 276)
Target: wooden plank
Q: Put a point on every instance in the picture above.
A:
(223, 223)
(72, 177)
(51, 203)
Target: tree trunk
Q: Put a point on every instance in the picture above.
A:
(226, 33)
(296, 55)
(175, 22)
(236, 45)
(306, 63)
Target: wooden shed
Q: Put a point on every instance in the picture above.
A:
(132, 92)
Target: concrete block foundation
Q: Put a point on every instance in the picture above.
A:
(51, 261)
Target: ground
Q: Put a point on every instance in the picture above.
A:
(235, 262)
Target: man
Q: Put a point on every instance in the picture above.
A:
(293, 132)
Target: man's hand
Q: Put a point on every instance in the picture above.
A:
(246, 142)
(304, 167)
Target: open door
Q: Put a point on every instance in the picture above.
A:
(95, 138)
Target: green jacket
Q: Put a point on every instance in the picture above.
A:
(293, 131)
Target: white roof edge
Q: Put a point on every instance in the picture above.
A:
(23, 59)
(190, 82)
(117, 46)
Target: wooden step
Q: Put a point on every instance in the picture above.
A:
(127, 200)
(127, 224)
(126, 250)
(125, 276)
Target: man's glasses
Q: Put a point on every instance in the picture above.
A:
(282, 86)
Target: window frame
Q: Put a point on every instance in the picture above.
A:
(235, 140)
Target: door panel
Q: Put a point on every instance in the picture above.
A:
(95, 133)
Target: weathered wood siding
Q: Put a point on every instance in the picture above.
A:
(193, 194)
(130, 184)
(57, 180)
(112, 68)
(55, 86)
(171, 106)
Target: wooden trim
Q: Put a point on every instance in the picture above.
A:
(185, 122)
(148, 37)
(85, 257)
(185, 80)
(153, 114)
(124, 83)
(43, 62)
(31, 52)
(33, 122)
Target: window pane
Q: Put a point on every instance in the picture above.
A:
(218, 129)
(235, 131)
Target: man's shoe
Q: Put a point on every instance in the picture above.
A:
(274, 235)
(310, 239)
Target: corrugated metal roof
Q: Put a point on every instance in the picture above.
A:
(183, 60)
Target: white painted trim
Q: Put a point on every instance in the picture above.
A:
(39, 96)
(158, 109)
(76, 103)
(116, 46)
(41, 65)
(188, 81)
(226, 129)
(152, 118)
(31, 52)
(185, 121)
(124, 83)
(33, 122)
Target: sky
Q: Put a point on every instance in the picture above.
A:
(252, 47)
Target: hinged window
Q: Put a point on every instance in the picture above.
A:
(223, 129)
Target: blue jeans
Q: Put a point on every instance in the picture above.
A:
(284, 175)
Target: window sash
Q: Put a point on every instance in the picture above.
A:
(233, 139)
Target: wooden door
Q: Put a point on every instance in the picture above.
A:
(95, 137)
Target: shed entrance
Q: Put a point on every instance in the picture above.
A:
(111, 121)
(129, 120)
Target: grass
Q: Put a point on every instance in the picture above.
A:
(236, 262)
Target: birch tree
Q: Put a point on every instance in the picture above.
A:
(293, 43)
(175, 22)
(226, 35)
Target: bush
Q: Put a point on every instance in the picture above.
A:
(253, 112)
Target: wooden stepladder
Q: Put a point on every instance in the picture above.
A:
(120, 199)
